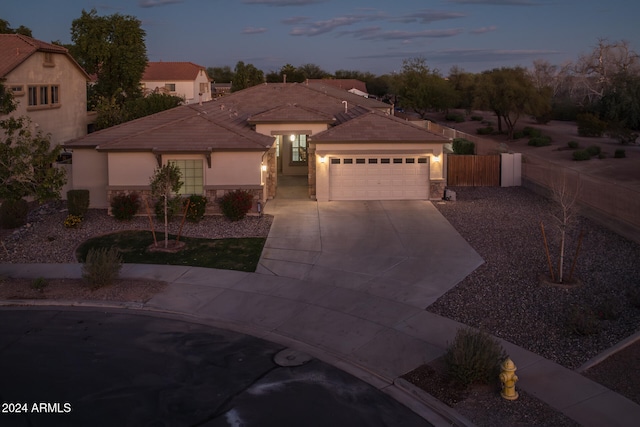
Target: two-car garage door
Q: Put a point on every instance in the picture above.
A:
(384, 177)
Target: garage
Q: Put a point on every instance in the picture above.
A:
(379, 177)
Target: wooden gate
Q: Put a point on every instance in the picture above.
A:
(473, 171)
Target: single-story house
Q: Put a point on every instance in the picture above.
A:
(348, 147)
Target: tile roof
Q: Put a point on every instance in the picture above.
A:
(178, 71)
(16, 48)
(226, 123)
(374, 126)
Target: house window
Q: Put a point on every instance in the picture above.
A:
(203, 88)
(48, 59)
(298, 149)
(171, 87)
(192, 176)
(55, 98)
(17, 90)
(33, 95)
(43, 96)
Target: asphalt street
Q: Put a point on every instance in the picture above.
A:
(82, 367)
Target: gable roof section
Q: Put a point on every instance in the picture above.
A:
(16, 48)
(188, 128)
(291, 113)
(178, 71)
(373, 126)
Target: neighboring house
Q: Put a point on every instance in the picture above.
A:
(220, 89)
(48, 85)
(184, 79)
(348, 147)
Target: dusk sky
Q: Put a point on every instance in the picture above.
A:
(365, 35)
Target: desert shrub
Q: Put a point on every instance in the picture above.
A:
(13, 213)
(619, 154)
(543, 119)
(101, 267)
(539, 141)
(474, 357)
(235, 204)
(174, 208)
(39, 284)
(197, 207)
(518, 134)
(565, 111)
(582, 321)
(488, 130)
(463, 146)
(454, 117)
(532, 132)
(125, 206)
(590, 125)
(580, 155)
(602, 156)
(476, 118)
(593, 150)
(573, 145)
(78, 202)
(72, 221)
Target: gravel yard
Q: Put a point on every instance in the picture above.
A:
(46, 240)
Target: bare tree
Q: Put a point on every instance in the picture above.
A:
(565, 195)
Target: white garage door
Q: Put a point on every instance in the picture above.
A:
(387, 177)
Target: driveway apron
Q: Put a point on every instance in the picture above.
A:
(404, 251)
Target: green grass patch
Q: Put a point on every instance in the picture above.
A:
(227, 254)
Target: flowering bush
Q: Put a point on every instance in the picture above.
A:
(72, 221)
(125, 206)
(197, 207)
(236, 204)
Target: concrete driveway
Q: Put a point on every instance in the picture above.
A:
(404, 251)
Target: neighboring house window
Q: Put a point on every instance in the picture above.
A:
(298, 149)
(171, 87)
(55, 95)
(17, 90)
(192, 176)
(33, 95)
(203, 88)
(43, 96)
(48, 59)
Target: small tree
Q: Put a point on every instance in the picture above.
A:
(26, 158)
(166, 181)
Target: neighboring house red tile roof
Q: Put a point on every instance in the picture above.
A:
(16, 48)
(344, 84)
(226, 124)
(167, 71)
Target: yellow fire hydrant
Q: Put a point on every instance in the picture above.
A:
(508, 379)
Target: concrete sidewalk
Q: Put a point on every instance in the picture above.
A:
(376, 340)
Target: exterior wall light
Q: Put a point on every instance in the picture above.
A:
(264, 168)
(436, 158)
(323, 159)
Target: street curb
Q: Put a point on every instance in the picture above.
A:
(609, 352)
(415, 399)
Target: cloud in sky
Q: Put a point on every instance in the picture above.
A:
(499, 2)
(428, 16)
(283, 2)
(323, 27)
(252, 30)
(483, 30)
(154, 3)
(374, 33)
(295, 20)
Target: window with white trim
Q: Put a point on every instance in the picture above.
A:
(298, 149)
(192, 176)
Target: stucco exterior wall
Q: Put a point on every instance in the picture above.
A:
(66, 120)
(90, 173)
(235, 168)
(131, 169)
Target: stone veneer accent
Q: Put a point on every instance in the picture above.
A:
(436, 189)
(311, 160)
(211, 193)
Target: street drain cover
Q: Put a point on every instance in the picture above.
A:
(290, 357)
